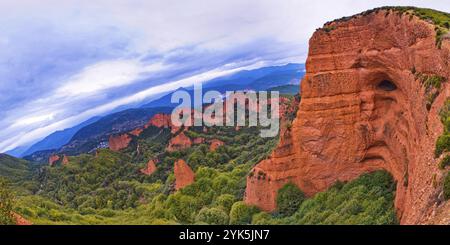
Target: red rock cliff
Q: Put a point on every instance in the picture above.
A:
(53, 159)
(179, 142)
(160, 120)
(183, 174)
(119, 142)
(150, 168)
(21, 220)
(363, 109)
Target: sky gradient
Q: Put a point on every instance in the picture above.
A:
(62, 62)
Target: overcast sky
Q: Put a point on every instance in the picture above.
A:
(62, 62)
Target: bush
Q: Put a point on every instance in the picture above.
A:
(368, 199)
(444, 162)
(447, 186)
(289, 199)
(241, 214)
(261, 218)
(442, 144)
(6, 204)
(212, 216)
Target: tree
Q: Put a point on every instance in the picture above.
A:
(289, 199)
(6, 204)
(225, 201)
(212, 216)
(241, 214)
(447, 186)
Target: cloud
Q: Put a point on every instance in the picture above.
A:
(105, 75)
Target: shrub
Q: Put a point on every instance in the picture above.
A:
(212, 216)
(442, 144)
(289, 199)
(241, 214)
(444, 162)
(447, 186)
(225, 201)
(6, 204)
(261, 218)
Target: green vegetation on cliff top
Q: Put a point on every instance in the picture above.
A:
(440, 19)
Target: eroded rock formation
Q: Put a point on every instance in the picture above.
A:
(53, 159)
(150, 168)
(215, 143)
(363, 109)
(160, 120)
(21, 220)
(179, 142)
(65, 160)
(119, 142)
(183, 174)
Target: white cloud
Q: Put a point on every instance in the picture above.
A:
(105, 75)
(33, 120)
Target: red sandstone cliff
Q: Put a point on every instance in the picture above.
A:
(119, 142)
(363, 109)
(179, 142)
(160, 120)
(183, 174)
(150, 168)
(65, 160)
(21, 220)
(53, 159)
(215, 143)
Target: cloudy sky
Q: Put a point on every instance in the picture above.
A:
(62, 62)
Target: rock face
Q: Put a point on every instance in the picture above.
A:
(65, 160)
(198, 140)
(183, 174)
(53, 159)
(137, 131)
(179, 142)
(21, 220)
(363, 109)
(160, 120)
(119, 142)
(215, 143)
(151, 167)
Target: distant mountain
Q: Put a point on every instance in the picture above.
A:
(258, 79)
(287, 89)
(18, 151)
(58, 138)
(89, 137)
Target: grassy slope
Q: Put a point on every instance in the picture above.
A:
(13, 168)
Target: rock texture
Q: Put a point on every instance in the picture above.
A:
(183, 174)
(362, 109)
(53, 159)
(119, 142)
(21, 220)
(151, 167)
(160, 120)
(179, 142)
(215, 143)
(65, 160)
